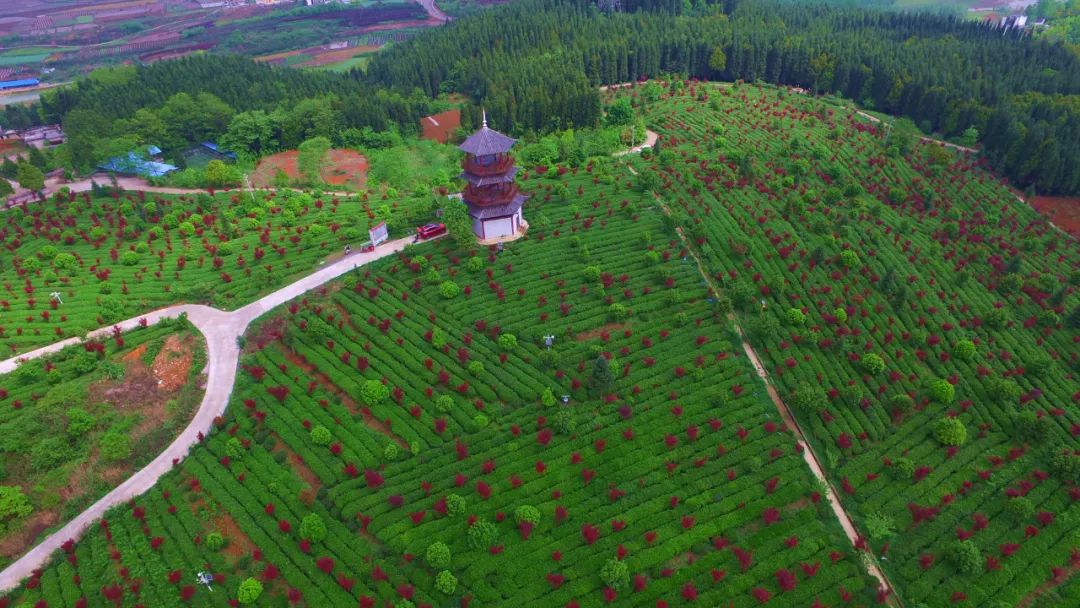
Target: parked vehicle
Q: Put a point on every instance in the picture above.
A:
(428, 231)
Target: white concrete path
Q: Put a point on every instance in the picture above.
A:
(221, 330)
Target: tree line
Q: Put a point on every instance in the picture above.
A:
(946, 74)
(535, 65)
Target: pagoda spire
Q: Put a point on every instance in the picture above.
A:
(483, 114)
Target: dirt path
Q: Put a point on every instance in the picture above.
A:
(940, 142)
(220, 330)
(872, 566)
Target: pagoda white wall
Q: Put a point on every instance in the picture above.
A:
(496, 228)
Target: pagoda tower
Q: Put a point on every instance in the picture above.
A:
(491, 195)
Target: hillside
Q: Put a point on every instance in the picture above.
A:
(399, 437)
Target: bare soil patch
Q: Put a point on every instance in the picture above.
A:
(342, 168)
(595, 333)
(440, 127)
(173, 362)
(15, 543)
(373, 423)
(305, 473)
(239, 544)
(1063, 211)
(337, 55)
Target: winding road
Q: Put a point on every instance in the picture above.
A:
(220, 330)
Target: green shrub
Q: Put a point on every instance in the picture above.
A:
(320, 435)
(129, 258)
(446, 583)
(234, 448)
(476, 367)
(508, 342)
(902, 468)
(449, 290)
(617, 311)
(547, 398)
(455, 505)
(1031, 427)
(1003, 390)
(437, 555)
(850, 259)
(565, 422)
(214, 541)
(1020, 508)
(312, 528)
(810, 398)
(482, 535)
(475, 264)
(591, 274)
(444, 403)
(966, 557)
(13, 506)
(1066, 465)
(941, 391)
(480, 421)
(873, 364)
(527, 513)
(964, 350)
(390, 452)
(373, 392)
(249, 591)
(796, 316)
(615, 573)
(950, 431)
(879, 526)
(902, 403)
(116, 446)
(79, 422)
(841, 315)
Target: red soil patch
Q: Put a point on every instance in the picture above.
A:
(296, 462)
(440, 127)
(337, 55)
(379, 426)
(342, 168)
(238, 544)
(595, 333)
(173, 362)
(1063, 211)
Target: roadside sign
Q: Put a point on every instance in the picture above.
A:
(378, 233)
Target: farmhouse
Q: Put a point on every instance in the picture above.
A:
(493, 199)
(133, 164)
(201, 154)
(39, 137)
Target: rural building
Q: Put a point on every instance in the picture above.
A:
(18, 84)
(39, 137)
(493, 199)
(201, 154)
(440, 127)
(133, 164)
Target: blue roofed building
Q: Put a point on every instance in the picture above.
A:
(18, 84)
(133, 164)
(199, 155)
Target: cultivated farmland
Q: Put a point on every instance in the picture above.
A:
(922, 322)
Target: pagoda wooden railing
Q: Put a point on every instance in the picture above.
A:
(501, 165)
(487, 195)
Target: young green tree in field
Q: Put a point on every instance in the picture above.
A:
(30, 177)
(312, 158)
(13, 506)
(458, 224)
(219, 174)
(5, 187)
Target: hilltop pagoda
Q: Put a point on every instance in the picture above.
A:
(492, 197)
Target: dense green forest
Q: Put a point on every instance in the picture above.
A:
(535, 65)
(946, 74)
